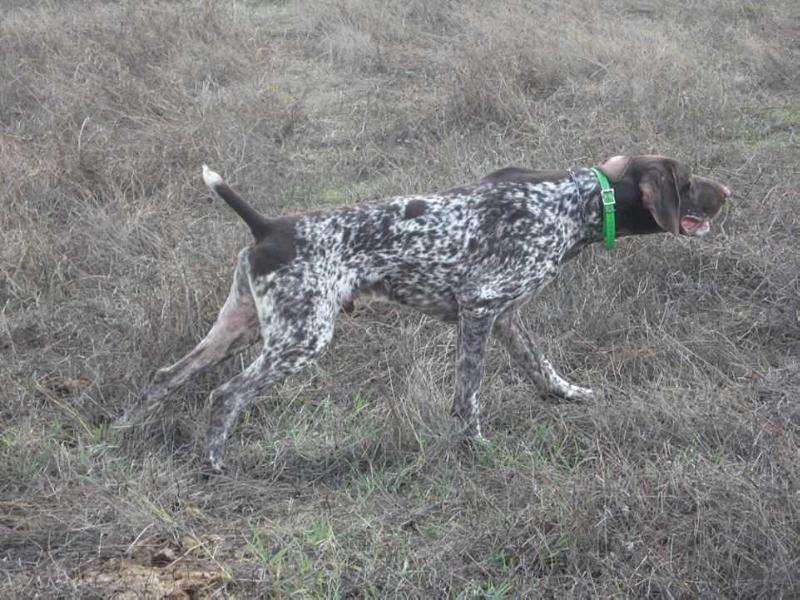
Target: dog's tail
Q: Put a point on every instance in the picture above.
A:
(258, 223)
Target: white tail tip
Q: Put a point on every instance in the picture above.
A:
(211, 178)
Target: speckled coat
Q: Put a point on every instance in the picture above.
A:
(472, 255)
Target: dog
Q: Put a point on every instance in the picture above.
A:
(472, 256)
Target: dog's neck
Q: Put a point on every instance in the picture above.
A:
(585, 201)
(632, 218)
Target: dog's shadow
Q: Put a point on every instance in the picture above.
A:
(385, 463)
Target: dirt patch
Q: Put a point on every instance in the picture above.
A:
(123, 579)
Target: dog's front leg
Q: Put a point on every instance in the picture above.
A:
(474, 328)
(536, 368)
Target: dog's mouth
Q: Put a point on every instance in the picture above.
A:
(695, 226)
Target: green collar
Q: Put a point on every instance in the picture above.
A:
(607, 195)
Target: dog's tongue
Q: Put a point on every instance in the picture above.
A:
(693, 225)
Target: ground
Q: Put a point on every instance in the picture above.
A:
(348, 480)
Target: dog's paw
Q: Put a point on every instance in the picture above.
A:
(473, 443)
(579, 394)
(130, 418)
(575, 394)
(210, 469)
(145, 410)
(135, 416)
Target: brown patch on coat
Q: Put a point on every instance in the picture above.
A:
(278, 247)
(415, 208)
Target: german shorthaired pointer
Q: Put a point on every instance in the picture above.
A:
(473, 255)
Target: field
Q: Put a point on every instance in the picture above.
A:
(348, 480)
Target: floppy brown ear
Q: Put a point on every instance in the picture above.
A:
(660, 189)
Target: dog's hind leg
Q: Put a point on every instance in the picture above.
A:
(295, 336)
(236, 328)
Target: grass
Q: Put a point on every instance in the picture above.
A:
(348, 480)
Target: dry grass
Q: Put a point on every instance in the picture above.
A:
(347, 481)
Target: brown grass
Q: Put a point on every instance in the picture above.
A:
(347, 480)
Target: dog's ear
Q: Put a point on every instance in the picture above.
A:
(661, 181)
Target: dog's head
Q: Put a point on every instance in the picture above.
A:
(656, 193)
